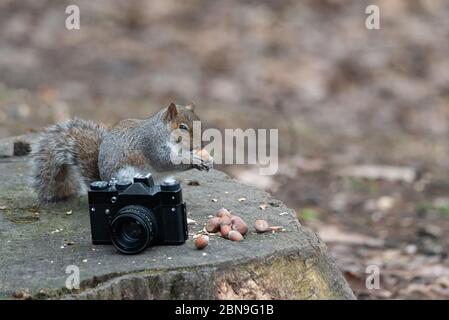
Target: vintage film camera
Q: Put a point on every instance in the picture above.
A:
(137, 215)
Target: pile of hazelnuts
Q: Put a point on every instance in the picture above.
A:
(230, 226)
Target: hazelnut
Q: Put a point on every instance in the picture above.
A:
(201, 242)
(261, 226)
(239, 225)
(224, 230)
(234, 235)
(225, 220)
(213, 225)
(223, 212)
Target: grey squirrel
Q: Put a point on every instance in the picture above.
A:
(71, 154)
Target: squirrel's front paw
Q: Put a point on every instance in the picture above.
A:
(202, 160)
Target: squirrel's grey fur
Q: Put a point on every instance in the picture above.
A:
(65, 159)
(73, 153)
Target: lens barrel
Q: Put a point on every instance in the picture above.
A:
(133, 229)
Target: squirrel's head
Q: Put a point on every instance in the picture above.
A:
(180, 119)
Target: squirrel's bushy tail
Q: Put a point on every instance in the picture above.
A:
(66, 159)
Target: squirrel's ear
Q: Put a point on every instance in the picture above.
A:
(172, 111)
(190, 106)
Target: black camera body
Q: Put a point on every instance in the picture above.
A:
(137, 215)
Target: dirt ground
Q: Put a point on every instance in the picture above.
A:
(363, 115)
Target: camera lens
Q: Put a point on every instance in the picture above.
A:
(133, 229)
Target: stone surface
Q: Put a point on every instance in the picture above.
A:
(38, 244)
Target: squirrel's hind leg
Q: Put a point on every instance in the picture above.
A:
(63, 184)
(56, 180)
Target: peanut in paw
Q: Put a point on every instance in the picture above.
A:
(203, 154)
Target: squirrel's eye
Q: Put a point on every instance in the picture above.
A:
(183, 126)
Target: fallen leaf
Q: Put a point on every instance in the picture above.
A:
(333, 234)
(374, 172)
(385, 203)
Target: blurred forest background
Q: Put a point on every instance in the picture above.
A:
(363, 114)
